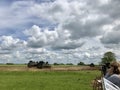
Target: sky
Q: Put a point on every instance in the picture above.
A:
(59, 31)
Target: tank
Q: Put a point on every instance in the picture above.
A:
(40, 64)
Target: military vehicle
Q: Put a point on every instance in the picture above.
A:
(40, 64)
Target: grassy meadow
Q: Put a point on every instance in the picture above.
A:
(47, 80)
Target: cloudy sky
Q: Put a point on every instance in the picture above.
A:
(61, 31)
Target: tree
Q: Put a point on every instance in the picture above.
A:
(81, 63)
(108, 57)
(92, 65)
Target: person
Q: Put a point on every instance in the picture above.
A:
(113, 74)
(104, 68)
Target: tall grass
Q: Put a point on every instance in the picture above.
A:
(47, 80)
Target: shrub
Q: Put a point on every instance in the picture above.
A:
(81, 63)
(9, 64)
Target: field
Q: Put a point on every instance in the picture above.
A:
(57, 78)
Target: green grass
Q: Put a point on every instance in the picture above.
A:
(47, 80)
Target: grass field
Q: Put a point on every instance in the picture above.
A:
(47, 80)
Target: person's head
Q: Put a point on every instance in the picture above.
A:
(115, 65)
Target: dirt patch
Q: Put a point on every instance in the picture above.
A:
(53, 68)
(73, 68)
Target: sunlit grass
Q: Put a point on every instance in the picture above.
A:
(47, 80)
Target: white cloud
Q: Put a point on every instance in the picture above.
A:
(9, 43)
(79, 17)
(87, 54)
(56, 39)
(104, 2)
(14, 14)
(38, 38)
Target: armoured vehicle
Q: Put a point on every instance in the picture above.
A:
(40, 64)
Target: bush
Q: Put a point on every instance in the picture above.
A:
(69, 64)
(92, 65)
(9, 64)
(81, 63)
(55, 64)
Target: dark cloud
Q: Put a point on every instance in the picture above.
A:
(89, 29)
(70, 45)
(111, 38)
(111, 9)
(117, 27)
(34, 44)
(2, 52)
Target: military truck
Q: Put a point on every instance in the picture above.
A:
(40, 64)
